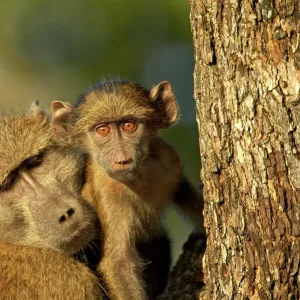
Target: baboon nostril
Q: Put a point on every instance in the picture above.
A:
(124, 162)
(70, 212)
(62, 219)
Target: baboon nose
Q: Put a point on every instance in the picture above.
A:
(123, 161)
(66, 215)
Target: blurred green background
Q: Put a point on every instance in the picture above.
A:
(54, 50)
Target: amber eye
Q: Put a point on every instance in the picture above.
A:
(129, 126)
(103, 129)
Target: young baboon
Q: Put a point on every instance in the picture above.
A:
(41, 207)
(116, 123)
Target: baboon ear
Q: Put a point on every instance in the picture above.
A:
(62, 116)
(166, 102)
(34, 109)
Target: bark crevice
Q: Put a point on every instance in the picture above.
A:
(247, 83)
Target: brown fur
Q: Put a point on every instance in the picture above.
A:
(32, 201)
(125, 101)
(16, 146)
(28, 273)
(130, 177)
(133, 215)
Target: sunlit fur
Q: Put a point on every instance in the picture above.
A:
(30, 206)
(18, 140)
(130, 207)
(112, 101)
(38, 272)
(29, 273)
(131, 212)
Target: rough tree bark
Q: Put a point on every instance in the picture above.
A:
(247, 82)
(186, 280)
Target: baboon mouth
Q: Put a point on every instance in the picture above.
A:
(80, 231)
(91, 253)
(80, 238)
(120, 174)
(122, 169)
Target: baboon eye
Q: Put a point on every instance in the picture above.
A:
(9, 180)
(129, 126)
(103, 129)
(33, 161)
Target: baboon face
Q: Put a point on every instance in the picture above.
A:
(115, 121)
(40, 203)
(119, 147)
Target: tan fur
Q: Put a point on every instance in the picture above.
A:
(109, 106)
(125, 101)
(15, 136)
(38, 193)
(130, 213)
(129, 204)
(145, 198)
(28, 273)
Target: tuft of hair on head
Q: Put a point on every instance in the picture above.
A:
(106, 85)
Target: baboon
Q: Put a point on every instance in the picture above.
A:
(42, 215)
(29, 273)
(131, 176)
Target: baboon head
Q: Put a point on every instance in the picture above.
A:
(114, 122)
(40, 183)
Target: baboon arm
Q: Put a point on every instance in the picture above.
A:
(190, 202)
(122, 271)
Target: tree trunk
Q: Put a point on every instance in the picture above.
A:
(247, 83)
(186, 280)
